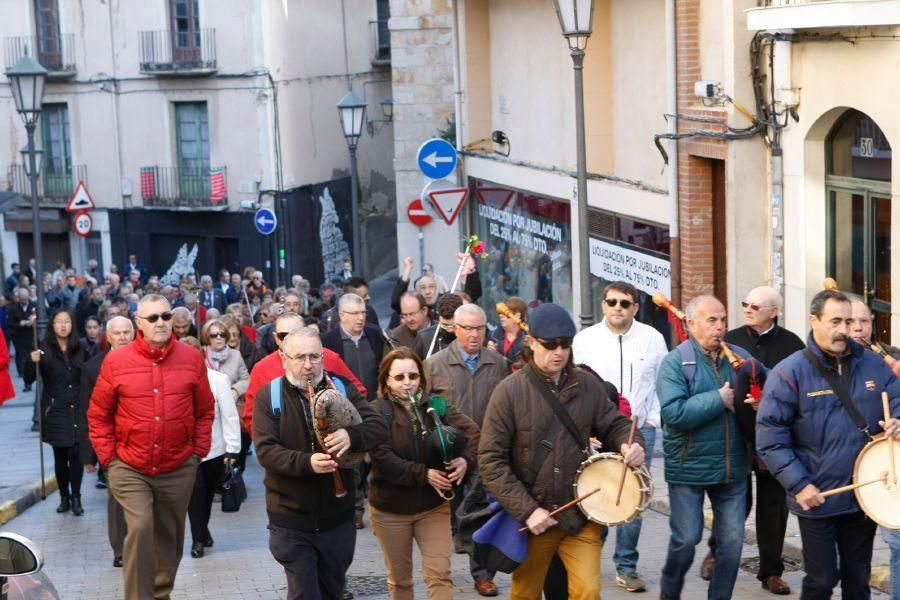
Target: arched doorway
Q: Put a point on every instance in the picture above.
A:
(858, 193)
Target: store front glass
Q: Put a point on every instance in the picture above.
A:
(529, 246)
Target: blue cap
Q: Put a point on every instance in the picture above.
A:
(550, 321)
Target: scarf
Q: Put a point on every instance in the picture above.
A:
(214, 359)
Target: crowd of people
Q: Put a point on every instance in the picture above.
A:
(161, 388)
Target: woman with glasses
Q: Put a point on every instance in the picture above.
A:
(225, 446)
(60, 357)
(507, 339)
(222, 355)
(406, 497)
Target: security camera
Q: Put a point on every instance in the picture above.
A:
(707, 89)
(249, 204)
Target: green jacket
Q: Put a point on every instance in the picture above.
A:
(701, 439)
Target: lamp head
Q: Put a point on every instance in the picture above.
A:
(352, 111)
(26, 81)
(575, 19)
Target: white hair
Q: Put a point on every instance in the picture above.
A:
(120, 318)
(691, 309)
(349, 298)
(298, 333)
(468, 309)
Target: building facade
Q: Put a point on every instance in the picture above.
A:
(184, 116)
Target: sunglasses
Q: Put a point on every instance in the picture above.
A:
(165, 316)
(564, 343)
(611, 302)
(401, 376)
(281, 335)
(218, 334)
(755, 307)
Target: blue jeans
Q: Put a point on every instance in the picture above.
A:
(892, 537)
(625, 556)
(686, 522)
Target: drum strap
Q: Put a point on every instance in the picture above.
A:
(840, 390)
(562, 415)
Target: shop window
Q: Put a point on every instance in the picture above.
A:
(859, 149)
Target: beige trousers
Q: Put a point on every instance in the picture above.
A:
(154, 508)
(431, 531)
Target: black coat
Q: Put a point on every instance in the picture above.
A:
(213, 299)
(769, 348)
(15, 314)
(61, 395)
(89, 373)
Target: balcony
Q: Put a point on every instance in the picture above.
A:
(56, 54)
(185, 189)
(381, 42)
(54, 189)
(169, 53)
(817, 14)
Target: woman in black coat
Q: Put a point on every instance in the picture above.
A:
(60, 357)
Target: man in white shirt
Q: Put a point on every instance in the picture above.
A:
(626, 353)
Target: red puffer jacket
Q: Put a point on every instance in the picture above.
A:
(151, 408)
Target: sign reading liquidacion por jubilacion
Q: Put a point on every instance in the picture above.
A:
(647, 273)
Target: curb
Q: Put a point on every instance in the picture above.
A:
(23, 497)
(880, 578)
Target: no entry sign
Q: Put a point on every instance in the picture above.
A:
(417, 214)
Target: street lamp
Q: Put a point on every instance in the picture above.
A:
(352, 112)
(26, 160)
(26, 81)
(575, 18)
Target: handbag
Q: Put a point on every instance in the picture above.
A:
(233, 489)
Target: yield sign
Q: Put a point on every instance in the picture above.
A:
(448, 202)
(80, 200)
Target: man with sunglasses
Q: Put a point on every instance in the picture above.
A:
(769, 343)
(150, 421)
(466, 372)
(311, 531)
(519, 420)
(626, 353)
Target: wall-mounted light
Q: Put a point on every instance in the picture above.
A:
(376, 125)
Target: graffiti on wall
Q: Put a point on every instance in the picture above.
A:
(183, 265)
(334, 246)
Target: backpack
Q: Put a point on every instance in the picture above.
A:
(688, 360)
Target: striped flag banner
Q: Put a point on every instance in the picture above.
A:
(218, 188)
(148, 182)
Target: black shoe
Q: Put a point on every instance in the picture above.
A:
(77, 509)
(35, 427)
(117, 562)
(27, 388)
(102, 482)
(197, 549)
(64, 505)
(208, 543)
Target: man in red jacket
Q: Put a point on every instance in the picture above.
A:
(150, 421)
(271, 367)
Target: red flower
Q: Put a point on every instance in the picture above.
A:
(479, 248)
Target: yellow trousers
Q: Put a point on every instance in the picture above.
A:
(580, 553)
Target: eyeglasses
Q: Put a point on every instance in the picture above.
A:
(860, 321)
(357, 313)
(472, 328)
(564, 343)
(755, 307)
(165, 316)
(218, 334)
(410, 315)
(402, 376)
(312, 357)
(611, 302)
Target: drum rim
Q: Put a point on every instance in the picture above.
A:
(642, 474)
(858, 491)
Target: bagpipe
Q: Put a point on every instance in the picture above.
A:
(443, 443)
(331, 411)
(749, 373)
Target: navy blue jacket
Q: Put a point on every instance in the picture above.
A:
(805, 435)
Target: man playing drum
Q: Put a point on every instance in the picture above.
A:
(818, 409)
(519, 418)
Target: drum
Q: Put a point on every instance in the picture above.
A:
(604, 470)
(881, 500)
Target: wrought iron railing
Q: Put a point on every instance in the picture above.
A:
(54, 187)
(381, 41)
(172, 52)
(55, 53)
(173, 187)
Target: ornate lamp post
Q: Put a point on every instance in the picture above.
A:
(352, 112)
(26, 80)
(575, 18)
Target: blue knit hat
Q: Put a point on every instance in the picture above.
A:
(550, 321)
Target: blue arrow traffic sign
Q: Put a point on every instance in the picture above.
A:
(436, 158)
(265, 221)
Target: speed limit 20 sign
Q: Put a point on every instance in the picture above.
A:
(83, 224)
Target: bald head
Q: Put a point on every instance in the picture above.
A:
(860, 321)
(285, 324)
(761, 308)
(181, 321)
(706, 321)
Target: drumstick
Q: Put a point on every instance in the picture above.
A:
(567, 506)
(625, 465)
(853, 486)
(887, 415)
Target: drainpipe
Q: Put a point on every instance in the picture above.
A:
(786, 96)
(672, 175)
